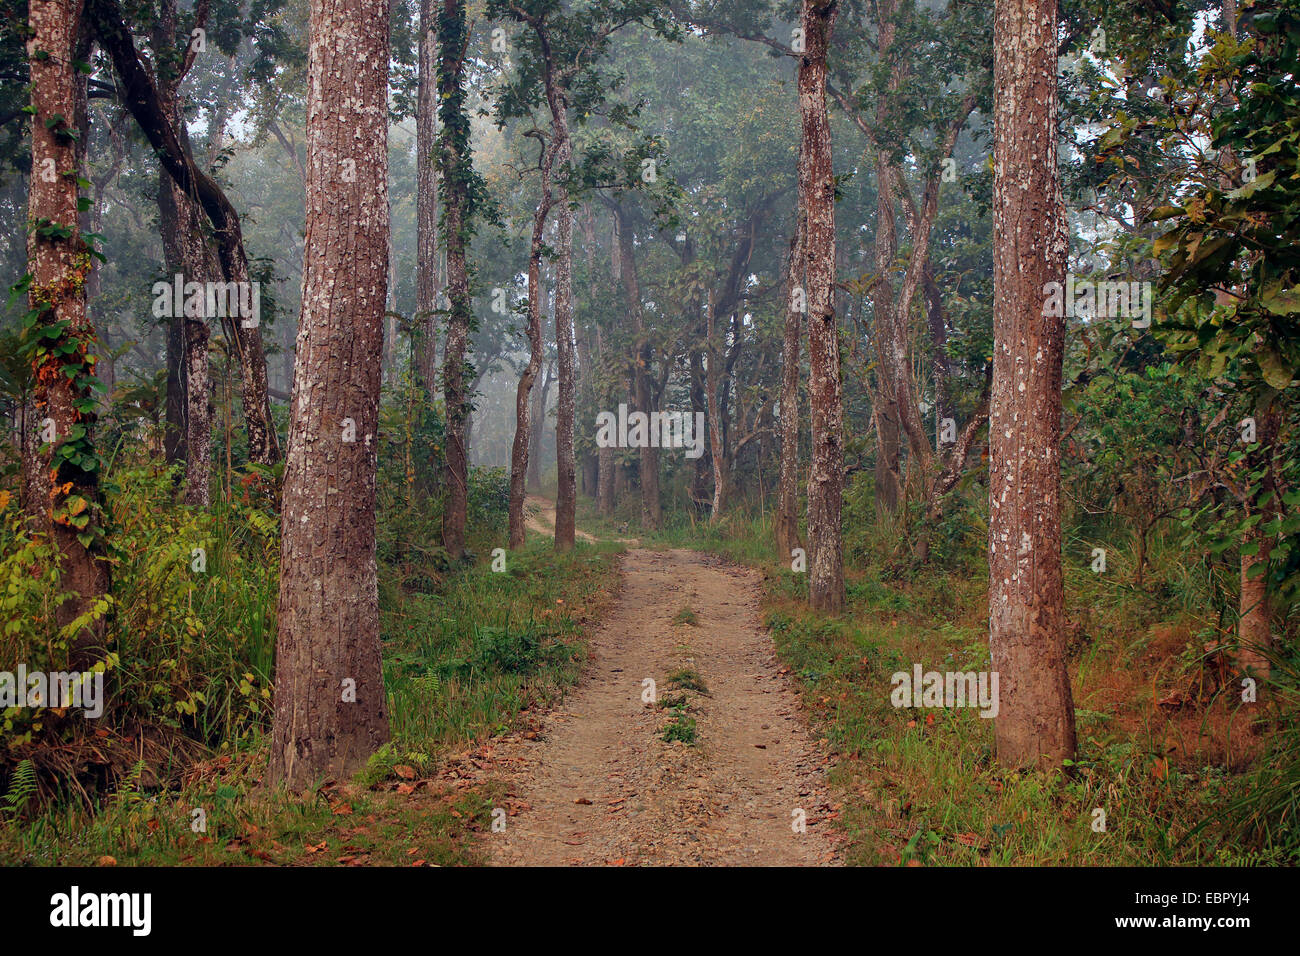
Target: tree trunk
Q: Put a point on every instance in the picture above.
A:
(1255, 624)
(174, 356)
(198, 416)
(1035, 722)
(566, 494)
(888, 476)
(537, 428)
(787, 505)
(651, 510)
(185, 252)
(455, 171)
(519, 454)
(330, 703)
(938, 349)
(65, 498)
(817, 184)
(424, 350)
(718, 454)
(702, 467)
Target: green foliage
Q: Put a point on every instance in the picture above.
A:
(681, 727)
(686, 616)
(191, 640)
(1266, 816)
(1241, 240)
(22, 785)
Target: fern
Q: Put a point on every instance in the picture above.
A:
(129, 793)
(21, 788)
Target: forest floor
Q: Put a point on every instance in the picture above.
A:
(715, 766)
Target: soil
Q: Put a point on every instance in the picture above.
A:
(597, 784)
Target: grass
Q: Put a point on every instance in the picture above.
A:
(922, 787)
(686, 616)
(465, 658)
(687, 678)
(681, 727)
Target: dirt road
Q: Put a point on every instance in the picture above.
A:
(599, 785)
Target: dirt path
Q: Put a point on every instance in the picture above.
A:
(598, 785)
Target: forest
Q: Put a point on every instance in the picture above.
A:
(649, 433)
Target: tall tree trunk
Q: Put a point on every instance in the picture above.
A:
(566, 494)
(65, 498)
(523, 427)
(604, 456)
(172, 219)
(787, 506)
(425, 349)
(456, 172)
(1255, 624)
(587, 407)
(817, 184)
(185, 252)
(605, 481)
(587, 350)
(651, 510)
(938, 349)
(702, 467)
(888, 475)
(331, 709)
(712, 384)
(1035, 722)
(174, 355)
(198, 416)
(536, 427)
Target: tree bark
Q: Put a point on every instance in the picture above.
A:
(519, 454)
(702, 467)
(185, 252)
(425, 351)
(536, 426)
(787, 506)
(331, 709)
(64, 499)
(455, 171)
(566, 494)
(817, 184)
(651, 508)
(1035, 722)
(712, 384)
(938, 348)
(1255, 623)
